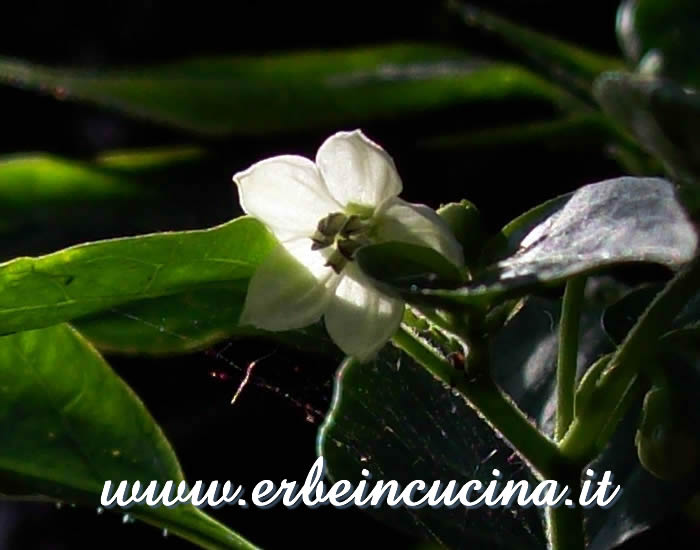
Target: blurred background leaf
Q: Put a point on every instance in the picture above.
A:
(259, 95)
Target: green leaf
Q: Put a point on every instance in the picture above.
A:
(186, 322)
(663, 116)
(600, 225)
(94, 277)
(46, 185)
(662, 36)
(572, 65)
(259, 95)
(69, 423)
(402, 265)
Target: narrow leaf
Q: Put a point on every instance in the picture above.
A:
(259, 95)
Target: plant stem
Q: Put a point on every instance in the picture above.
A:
(568, 353)
(564, 524)
(582, 441)
(492, 404)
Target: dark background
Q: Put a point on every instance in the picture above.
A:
(265, 435)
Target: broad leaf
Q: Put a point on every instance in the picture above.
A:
(259, 95)
(95, 277)
(189, 321)
(69, 423)
(392, 418)
(600, 225)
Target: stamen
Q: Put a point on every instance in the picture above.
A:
(332, 224)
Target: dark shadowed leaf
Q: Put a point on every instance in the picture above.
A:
(259, 95)
(69, 423)
(662, 115)
(394, 419)
(401, 265)
(378, 422)
(616, 221)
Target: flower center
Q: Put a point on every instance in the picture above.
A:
(345, 233)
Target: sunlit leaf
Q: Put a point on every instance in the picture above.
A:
(95, 277)
(48, 202)
(600, 225)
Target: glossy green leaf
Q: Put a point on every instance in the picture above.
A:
(94, 277)
(574, 66)
(663, 116)
(186, 322)
(662, 36)
(69, 423)
(402, 265)
(600, 225)
(259, 95)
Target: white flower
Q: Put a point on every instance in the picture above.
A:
(321, 213)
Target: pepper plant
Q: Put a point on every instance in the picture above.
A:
(466, 350)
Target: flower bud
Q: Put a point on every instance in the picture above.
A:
(464, 219)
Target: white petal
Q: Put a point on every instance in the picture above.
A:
(357, 170)
(418, 224)
(291, 289)
(359, 318)
(287, 194)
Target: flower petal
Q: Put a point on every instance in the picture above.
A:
(291, 289)
(359, 318)
(287, 194)
(417, 224)
(357, 170)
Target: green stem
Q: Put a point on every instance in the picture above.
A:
(564, 524)
(492, 404)
(582, 441)
(568, 353)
